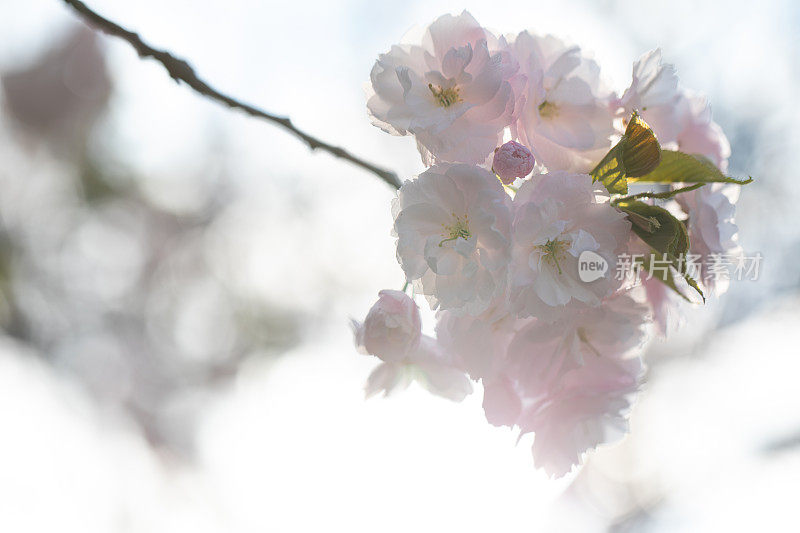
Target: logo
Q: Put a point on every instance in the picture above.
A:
(591, 266)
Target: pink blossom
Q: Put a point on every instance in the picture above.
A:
(664, 303)
(557, 217)
(713, 234)
(428, 366)
(541, 352)
(655, 94)
(567, 120)
(453, 236)
(392, 328)
(700, 134)
(531, 295)
(511, 161)
(478, 344)
(570, 382)
(502, 404)
(392, 332)
(454, 91)
(588, 407)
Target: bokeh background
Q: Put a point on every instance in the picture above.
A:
(176, 281)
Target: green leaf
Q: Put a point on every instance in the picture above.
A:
(678, 167)
(611, 172)
(659, 195)
(664, 233)
(693, 284)
(665, 276)
(637, 153)
(655, 225)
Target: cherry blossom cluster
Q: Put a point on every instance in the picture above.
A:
(492, 233)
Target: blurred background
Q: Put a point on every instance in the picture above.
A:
(176, 281)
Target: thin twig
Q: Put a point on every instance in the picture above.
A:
(666, 195)
(180, 70)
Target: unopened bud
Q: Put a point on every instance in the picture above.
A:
(512, 161)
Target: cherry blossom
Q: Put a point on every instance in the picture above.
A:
(567, 120)
(478, 344)
(512, 161)
(700, 134)
(557, 217)
(541, 352)
(454, 91)
(392, 332)
(392, 328)
(710, 209)
(522, 264)
(713, 234)
(589, 407)
(453, 236)
(427, 366)
(664, 304)
(575, 378)
(654, 93)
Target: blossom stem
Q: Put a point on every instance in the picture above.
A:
(181, 70)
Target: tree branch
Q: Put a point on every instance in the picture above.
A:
(180, 70)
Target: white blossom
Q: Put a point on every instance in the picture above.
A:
(575, 379)
(478, 344)
(711, 208)
(392, 332)
(392, 328)
(453, 236)
(713, 234)
(567, 119)
(700, 134)
(588, 408)
(663, 302)
(541, 352)
(428, 366)
(655, 94)
(557, 217)
(531, 295)
(454, 91)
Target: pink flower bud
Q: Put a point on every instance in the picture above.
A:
(511, 161)
(392, 327)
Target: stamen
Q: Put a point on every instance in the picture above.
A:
(445, 97)
(552, 249)
(582, 337)
(548, 109)
(459, 229)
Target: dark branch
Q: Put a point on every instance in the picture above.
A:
(180, 70)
